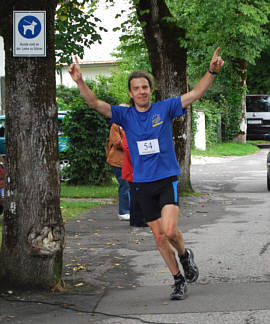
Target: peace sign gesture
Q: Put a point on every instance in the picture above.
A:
(75, 71)
(216, 62)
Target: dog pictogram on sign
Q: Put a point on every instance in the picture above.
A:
(29, 33)
(29, 27)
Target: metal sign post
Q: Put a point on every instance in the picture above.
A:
(29, 33)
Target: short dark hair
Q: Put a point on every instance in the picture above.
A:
(140, 74)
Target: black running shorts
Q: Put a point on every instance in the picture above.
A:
(153, 196)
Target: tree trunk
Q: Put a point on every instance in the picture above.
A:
(168, 60)
(240, 66)
(33, 231)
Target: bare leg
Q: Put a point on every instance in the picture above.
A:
(169, 219)
(168, 236)
(164, 246)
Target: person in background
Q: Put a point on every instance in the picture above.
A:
(136, 216)
(115, 155)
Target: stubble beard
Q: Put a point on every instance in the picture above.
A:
(145, 106)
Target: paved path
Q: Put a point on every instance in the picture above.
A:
(115, 275)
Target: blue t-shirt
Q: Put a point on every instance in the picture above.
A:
(149, 137)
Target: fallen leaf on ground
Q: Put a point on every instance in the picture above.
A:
(79, 284)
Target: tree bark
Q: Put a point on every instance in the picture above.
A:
(168, 60)
(240, 66)
(33, 231)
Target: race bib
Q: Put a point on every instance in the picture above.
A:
(148, 147)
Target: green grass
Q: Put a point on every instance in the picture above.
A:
(255, 142)
(71, 209)
(69, 191)
(227, 149)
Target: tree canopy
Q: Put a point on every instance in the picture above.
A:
(76, 27)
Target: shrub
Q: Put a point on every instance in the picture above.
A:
(87, 131)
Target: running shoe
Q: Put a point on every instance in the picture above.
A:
(190, 269)
(179, 289)
(124, 217)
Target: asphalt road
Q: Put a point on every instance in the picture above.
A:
(231, 174)
(229, 233)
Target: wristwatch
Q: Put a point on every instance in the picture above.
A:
(212, 72)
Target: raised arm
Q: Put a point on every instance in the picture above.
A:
(202, 86)
(103, 107)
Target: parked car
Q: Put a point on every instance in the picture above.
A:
(2, 176)
(267, 137)
(62, 143)
(62, 140)
(258, 116)
(268, 171)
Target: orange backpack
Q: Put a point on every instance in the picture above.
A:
(108, 146)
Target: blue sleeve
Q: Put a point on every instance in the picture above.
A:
(116, 115)
(175, 107)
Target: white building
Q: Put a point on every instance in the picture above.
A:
(90, 70)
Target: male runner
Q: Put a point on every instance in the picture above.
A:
(155, 169)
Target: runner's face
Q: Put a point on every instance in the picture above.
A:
(140, 92)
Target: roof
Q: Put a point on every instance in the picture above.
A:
(94, 62)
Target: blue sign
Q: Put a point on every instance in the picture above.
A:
(29, 27)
